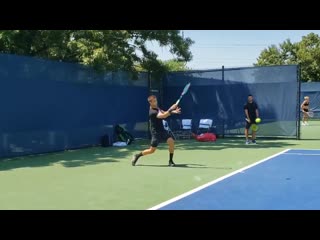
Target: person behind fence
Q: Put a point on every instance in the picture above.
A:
(305, 109)
(158, 133)
(251, 114)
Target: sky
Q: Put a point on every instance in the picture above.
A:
(230, 48)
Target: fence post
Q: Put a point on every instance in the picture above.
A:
(298, 102)
(149, 92)
(223, 121)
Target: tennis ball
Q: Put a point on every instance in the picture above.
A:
(258, 120)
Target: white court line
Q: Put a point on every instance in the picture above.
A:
(214, 181)
(309, 149)
(302, 154)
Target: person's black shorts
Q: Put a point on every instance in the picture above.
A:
(248, 125)
(159, 138)
(306, 110)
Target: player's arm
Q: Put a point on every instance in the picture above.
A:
(163, 114)
(257, 111)
(168, 113)
(247, 114)
(173, 107)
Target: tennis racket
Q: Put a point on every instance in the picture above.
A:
(185, 90)
(310, 114)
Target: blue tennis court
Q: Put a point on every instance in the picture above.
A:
(286, 181)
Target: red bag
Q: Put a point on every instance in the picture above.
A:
(206, 137)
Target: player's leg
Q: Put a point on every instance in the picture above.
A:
(254, 137)
(170, 142)
(246, 132)
(152, 149)
(306, 117)
(149, 151)
(143, 153)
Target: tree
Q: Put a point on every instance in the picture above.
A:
(174, 65)
(306, 53)
(166, 66)
(105, 50)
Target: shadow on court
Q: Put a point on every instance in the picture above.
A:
(72, 158)
(99, 155)
(176, 166)
(221, 144)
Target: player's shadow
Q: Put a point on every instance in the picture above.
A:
(176, 166)
(221, 144)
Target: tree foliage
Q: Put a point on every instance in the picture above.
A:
(174, 65)
(105, 50)
(306, 53)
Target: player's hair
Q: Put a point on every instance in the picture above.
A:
(250, 95)
(151, 96)
(306, 97)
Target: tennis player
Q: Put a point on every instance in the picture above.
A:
(251, 112)
(305, 109)
(158, 133)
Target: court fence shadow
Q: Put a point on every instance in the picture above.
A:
(225, 143)
(100, 155)
(69, 158)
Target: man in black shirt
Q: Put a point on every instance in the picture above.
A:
(158, 133)
(251, 113)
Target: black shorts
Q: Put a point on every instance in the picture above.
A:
(248, 125)
(306, 110)
(159, 138)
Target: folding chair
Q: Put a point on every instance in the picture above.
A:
(205, 125)
(185, 131)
